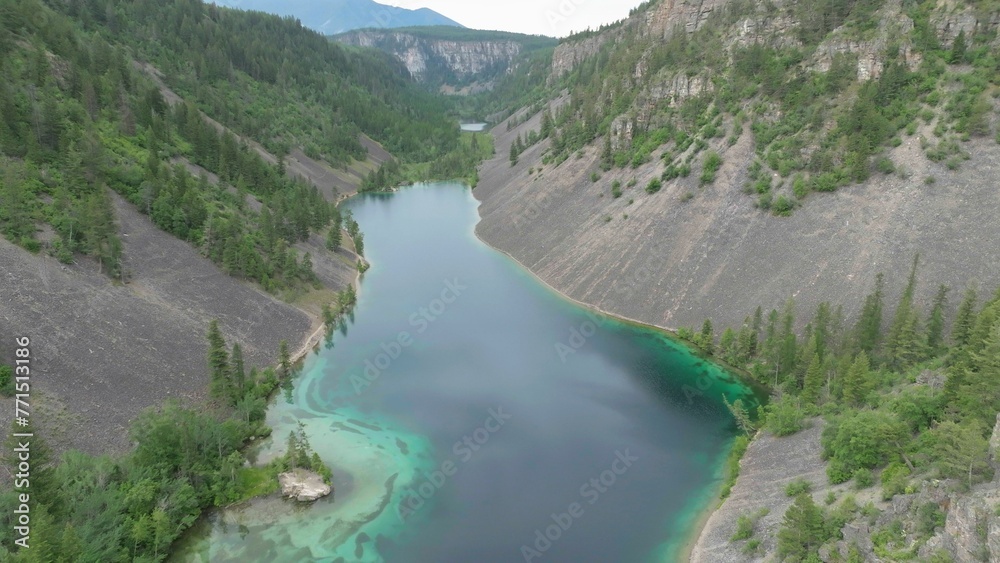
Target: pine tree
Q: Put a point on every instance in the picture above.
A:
(965, 319)
(813, 382)
(239, 376)
(740, 415)
(284, 360)
(935, 325)
(958, 49)
(707, 337)
(333, 237)
(728, 345)
(514, 153)
(788, 341)
(869, 328)
(218, 362)
(902, 343)
(801, 532)
(858, 380)
(359, 244)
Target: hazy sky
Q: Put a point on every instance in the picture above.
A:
(545, 17)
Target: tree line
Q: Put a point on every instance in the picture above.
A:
(908, 394)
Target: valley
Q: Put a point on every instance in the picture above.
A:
(770, 224)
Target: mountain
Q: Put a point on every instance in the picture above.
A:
(702, 163)
(454, 60)
(331, 17)
(170, 193)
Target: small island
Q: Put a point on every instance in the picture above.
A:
(304, 476)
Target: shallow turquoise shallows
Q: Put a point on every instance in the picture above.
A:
(473, 415)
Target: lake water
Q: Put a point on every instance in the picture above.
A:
(471, 414)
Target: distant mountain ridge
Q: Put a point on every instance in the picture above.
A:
(453, 60)
(337, 16)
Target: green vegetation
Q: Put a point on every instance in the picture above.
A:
(740, 446)
(79, 117)
(185, 460)
(882, 426)
(820, 124)
(798, 487)
(7, 382)
(745, 525)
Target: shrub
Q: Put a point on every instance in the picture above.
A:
(784, 417)
(744, 528)
(885, 165)
(710, 166)
(862, 440)
(783, 206)
(6, 381)
(654, 186)
(929, 518)
(894, 480)
(797, 487)
(594, 177)
(863, 479)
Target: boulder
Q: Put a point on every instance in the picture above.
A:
(303, 485)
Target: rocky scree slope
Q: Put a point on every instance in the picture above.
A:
(792, 210)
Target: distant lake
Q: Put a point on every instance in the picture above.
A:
(471, 414)
(474, 127)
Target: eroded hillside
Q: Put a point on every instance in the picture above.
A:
(670, 191)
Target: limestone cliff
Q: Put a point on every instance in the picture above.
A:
(453, 61)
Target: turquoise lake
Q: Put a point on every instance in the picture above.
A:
(471, 414)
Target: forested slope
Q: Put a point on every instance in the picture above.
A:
(140, 208)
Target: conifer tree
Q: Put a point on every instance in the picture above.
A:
(964, 319)
(707, 337)
(869, 328)
(239, 376)
(935, 325)
(857, 382)
(218, 362)
(284, 360)
(813, 382)
(801, 532)
(902, 345)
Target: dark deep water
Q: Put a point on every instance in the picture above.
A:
(489, 405)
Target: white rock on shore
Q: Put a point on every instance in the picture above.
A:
(303, 485)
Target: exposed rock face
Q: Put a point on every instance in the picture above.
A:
(671, 15)
(673, 263)
(970, 530)
(568, 55)
(303, 485)
(433, 60)
(767, 467)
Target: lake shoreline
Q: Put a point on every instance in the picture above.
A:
(704, 515)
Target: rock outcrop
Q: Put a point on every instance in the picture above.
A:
(767, 467)
(449, 64)
(303, 485)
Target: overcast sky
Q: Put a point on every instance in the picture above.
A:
(545, 17)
